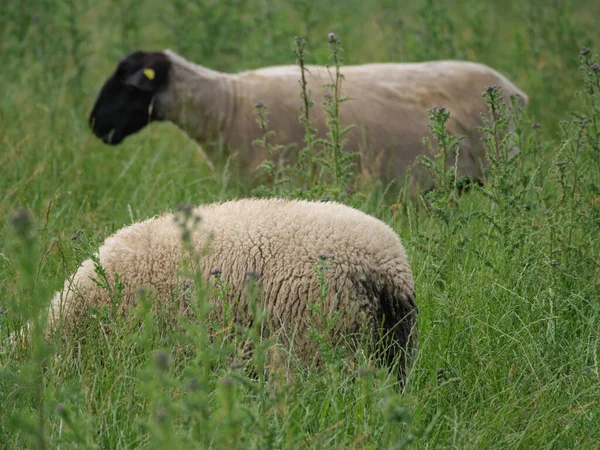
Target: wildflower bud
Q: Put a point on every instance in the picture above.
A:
(396, 413)
(561, 165)
(584, 51)
(194, 385)
(259, 104)
(185, 208)
(252, 274)
(441, 375)
(332, 38)
(363, 372)
(216, 272)
(141, 291)
(526, 207)
(21, 221)
(227, 381)
(75, 235)
(536, 125)
(161, 415)
(161, 360)
(237, 365)
(61, 409)
(595, 67)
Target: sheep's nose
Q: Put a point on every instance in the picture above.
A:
(108, 138)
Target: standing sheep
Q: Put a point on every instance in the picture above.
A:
(389, 107)
(369, 280)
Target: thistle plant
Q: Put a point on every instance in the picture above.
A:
(340, 164)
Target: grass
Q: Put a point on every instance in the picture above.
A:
(507, 276)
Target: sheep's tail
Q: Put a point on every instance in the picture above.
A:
(399, 339)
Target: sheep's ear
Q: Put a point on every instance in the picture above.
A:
(143, 79)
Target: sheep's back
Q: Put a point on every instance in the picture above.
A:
(286, 244)
(388, 107)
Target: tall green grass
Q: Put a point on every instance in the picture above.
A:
(507, 274)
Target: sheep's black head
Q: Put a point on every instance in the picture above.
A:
(124, 104)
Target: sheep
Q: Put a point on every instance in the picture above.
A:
(388, 106)
(368, 276)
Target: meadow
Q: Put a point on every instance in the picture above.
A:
(507, 275)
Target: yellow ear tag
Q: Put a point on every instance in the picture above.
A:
(149, 73)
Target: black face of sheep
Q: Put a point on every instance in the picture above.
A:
(125, 103)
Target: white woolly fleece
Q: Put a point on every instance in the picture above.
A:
(370, 279)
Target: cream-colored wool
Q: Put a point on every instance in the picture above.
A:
(368, 278)
(389, 107)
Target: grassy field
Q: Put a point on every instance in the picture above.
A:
(507, 276)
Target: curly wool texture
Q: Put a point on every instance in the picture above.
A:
(369, 279)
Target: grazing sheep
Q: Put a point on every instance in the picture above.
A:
(389, 107)
(370, 283)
